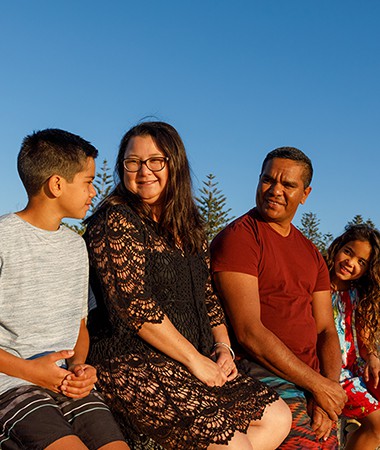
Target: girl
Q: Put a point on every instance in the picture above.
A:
(353, 260)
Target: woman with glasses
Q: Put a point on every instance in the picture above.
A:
(158, 334)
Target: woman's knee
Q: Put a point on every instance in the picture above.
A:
(278, 416)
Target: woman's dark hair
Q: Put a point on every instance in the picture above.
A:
(368, 285)
(180, 218)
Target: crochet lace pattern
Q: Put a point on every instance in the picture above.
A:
(138, 276)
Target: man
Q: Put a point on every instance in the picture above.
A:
(276, 291)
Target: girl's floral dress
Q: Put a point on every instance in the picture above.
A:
(362, 396)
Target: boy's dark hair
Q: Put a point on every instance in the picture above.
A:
(293, 154)
(48, 152)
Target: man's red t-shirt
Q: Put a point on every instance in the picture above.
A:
(289, 270)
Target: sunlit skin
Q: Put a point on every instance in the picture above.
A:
(351, 262)
(77, 195)
(280, 191)
(59, 198)
(149, 186)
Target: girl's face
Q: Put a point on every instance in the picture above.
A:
(351, 262)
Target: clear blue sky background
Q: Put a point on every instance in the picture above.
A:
(236, 78)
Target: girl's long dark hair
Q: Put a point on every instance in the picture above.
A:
(368, 285)
(180, 218)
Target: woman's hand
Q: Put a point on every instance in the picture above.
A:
(372, 368)
(207, 371)
(223, 359)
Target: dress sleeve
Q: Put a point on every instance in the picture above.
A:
(213, 304)
(118, 250)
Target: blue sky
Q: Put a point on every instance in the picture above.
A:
(237, 79)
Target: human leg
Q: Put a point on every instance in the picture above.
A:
(272, 428)
(175, 409)
(117, 445)
(29, 418)
(240, 441)
(264, 434)
(367, 436)
(92, 421)
(301, 436)
(71, 442)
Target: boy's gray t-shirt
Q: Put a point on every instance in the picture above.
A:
(43, 290)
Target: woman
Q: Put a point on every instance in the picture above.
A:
(165, 372)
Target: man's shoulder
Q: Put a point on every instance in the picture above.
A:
(247, 221)
(302, 238)
(239, 236)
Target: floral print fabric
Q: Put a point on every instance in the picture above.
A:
(360, 401)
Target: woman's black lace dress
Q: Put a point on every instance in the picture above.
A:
(137, 277)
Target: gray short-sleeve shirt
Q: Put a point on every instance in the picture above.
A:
(43, 290)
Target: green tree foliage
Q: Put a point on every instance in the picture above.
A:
(78, 228)
(310, 228)
(358, 220)
(102, 185)
(212, 205)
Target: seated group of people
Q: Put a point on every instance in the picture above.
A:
(183, 346)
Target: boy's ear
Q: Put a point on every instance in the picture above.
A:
(55, 185)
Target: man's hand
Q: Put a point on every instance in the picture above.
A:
(44, 372)
(320, 421)
(330, 396)
(80, 381)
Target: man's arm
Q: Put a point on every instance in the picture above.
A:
(329, 355)
(241, 299)
(328, 346)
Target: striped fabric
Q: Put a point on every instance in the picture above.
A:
(33, 418)
(302, 437)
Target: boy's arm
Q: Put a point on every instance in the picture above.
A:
(82, 377)
(81, 346)
(42, 371)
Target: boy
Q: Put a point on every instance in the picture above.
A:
(46, 396)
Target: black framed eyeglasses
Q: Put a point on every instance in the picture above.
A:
(155, 164)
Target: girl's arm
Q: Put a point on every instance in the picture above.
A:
(372, 367)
